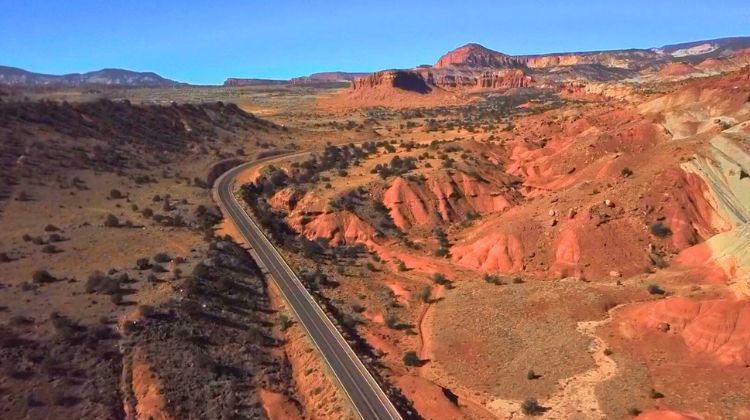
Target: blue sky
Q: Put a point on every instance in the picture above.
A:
(206, 41)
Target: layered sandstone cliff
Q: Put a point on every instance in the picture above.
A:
(425, 80)
(473, 67)
(475, 55)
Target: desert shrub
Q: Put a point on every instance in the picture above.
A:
(101, 331)
(654, 394)
(531, 407)
(162, 257)
(655, 289)
(146, 311)
(26, 237)
(62, 399)
(285, 322)
(142, 264)
(425, 294)
(412, 359)
(49, 249)
(200, 270)
(93, 281)
(391, 320)
(115, 194)
(21, 320)
(116, 298)
(441, 252)
(310, 249)
(491, 278)
(440, 278)
(37, 240)
(28, 287)
(63, 325)
(51, 228)
(110, 286)
(158, 268)
(660, 230)
(56, 237)
(42, 276)
(111, 221)
(441, 237)
(147, 212)
(358, 308)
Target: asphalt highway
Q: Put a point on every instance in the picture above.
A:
(366, 396)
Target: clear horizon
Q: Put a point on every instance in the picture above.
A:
(203, 43)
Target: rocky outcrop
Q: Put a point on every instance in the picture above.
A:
(677, 69)
(150, 402)
(326, 77)
(474, 67)
(488, 79)
(236, 82)
(423, 81)
(407, 80)
(340, 228)
(567, 255)
(719, 328)
(475, 55)
(13, 76)
(443, 198)
(497, 252)
(666, 415)
(469, 67)
(504, 79)
(617, 59)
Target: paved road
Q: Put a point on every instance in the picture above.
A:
(366, 396)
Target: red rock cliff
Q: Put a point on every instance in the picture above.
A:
(475, 55)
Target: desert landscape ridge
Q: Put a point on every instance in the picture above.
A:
(491, 236)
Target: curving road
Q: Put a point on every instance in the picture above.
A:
(366, 396)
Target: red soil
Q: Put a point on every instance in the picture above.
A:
(278, 406)
(699, 258)
(719, 328)
(496, 252)
(150, 402)
(342, 227)
(428, 398)
(690, 213)
(443, 198)
(567, 255)
(665, 415)
(677, 69)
